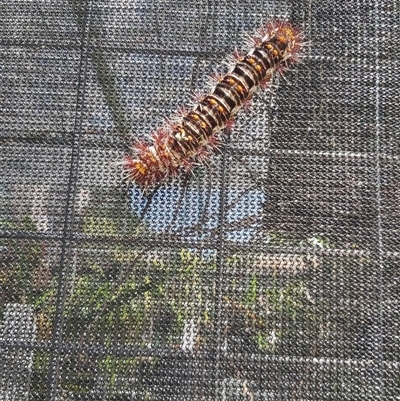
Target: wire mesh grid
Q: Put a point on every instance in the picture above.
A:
(271, 274)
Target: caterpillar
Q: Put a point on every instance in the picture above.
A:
(191, 136)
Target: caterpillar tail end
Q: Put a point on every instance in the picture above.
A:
(135, 171)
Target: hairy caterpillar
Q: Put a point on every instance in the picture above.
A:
(192, 136)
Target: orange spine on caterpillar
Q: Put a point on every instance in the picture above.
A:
(193, 135)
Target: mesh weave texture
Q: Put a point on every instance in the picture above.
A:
(271, 274)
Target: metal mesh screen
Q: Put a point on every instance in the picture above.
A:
(271, 274)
